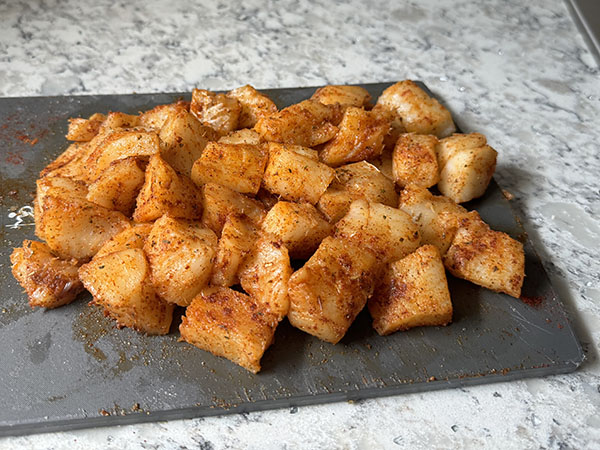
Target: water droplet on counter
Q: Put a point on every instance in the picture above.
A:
(500, 52)
(535, 420)
(461, 89)
(442, 78)
(591, 97)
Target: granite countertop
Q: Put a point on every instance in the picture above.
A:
(518, 72)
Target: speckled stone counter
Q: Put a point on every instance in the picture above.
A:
(519, 74)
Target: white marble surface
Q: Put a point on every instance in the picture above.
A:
(516, 71)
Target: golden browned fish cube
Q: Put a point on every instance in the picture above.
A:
(116, 120)
(118, 145)
(265, 274)
(217, 111)
(344, 95)
(167, 192)
(132, 237)
(300, 226)
(388, 232)
(415, 160)
(230, 324)
(49, 281)
(182, 139)
(220, 201)
(156, 117)
(436, 215)
(120, 282)
(412, 293)
(360, 137)
(83, 130)
(419, 112)
(467, 164)
(396, 126)
(60, 166)
(243, 136)
(294, 176)
(329, 291)
(353, 182)
(237, 239)
(488, 258)
(119, 185)
(307, 123)
(238, 166)
(72, 226)
(254, 104)
(181, 255)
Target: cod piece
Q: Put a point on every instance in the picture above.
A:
(488, 258)
(132, 237)
(344, 95)
(329, 291)
(388, 232)
(237, 166)
(254, 105)
(418, 112)
(72, 226)
(412, 293)
(119, 185)
(300, 226)
(181, 256)
(182, 140)
(220, 202)
(360, 137)
(120, 283)
(230, 324)
(295, 176)
(167, 192)
(237, 239)
(353, 182)
(414, 160)
(243, 136)
(307, 123)
(467, 164)
(265, 274)
(155, 118)
(49, 281)
(217, 111)
(84, 130)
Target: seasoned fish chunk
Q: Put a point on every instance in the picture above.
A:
(238, 166)
(329, 291)
(412, 293)
(300, 226)
(83, 130)
(72, 226)
(120, 144)
(181, 255)
(116, 120)
(489, 258)
(230, 324)
(49, 281)
(388, 232)
(119, 185)
(243, 136)
(120, 282)
(436, 215)
(415, 160)
(167, 192)
(360, 137)
(353, 182)
(220, 201)
(307, 123)
(419, 112)
(132, 237)
(217, 111)
(467, 164)
(237, 239)
(254, 105)
(182, 139)
(294, 176)
(344, 95)
(265, 274)
(155, 118)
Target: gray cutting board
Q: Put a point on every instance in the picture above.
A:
(71, 368)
